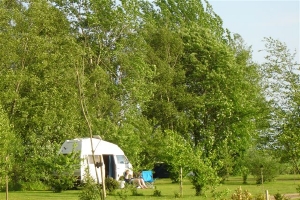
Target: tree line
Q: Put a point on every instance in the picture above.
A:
(164, 80)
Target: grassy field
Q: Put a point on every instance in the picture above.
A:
(286, 184)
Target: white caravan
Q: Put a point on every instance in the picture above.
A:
(115, 163)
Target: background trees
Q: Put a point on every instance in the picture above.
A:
(281, 75)
(38, 87)
(7, 152)
(142, 75)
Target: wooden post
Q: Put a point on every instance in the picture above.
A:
(262, 174)
(181, 189)
(103, 178)
(6, 179)
(267, 195)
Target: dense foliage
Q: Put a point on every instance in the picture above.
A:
(163, 79)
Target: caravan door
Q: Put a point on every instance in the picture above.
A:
(110, 166)
(115, 165)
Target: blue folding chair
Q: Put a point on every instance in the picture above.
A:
(148, 178)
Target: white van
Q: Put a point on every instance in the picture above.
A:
(115, 163)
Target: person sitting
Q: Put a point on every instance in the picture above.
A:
(127, 177)
(138, 180)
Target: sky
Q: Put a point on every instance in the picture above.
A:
(256, 19)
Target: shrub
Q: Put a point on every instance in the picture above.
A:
(121, 178)
(135, 192)
(90, 190)
(157, 193)
(278, 196)
(60, 183)
(298, 189)
(177, 195)
(111, 184)
(59, 171)
(34, 186)
(61, 176)
(259, 197)
(202, 177)
(220, 194)
(263, 167)
(123, 194)
(244, 172)
(241, 195)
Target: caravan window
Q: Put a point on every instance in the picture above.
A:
(97, 159)
(121, 159)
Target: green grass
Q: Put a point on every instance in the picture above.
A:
(284, 184)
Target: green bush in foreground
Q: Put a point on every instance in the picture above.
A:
(60, 171)
(91, 190)
(111, 185)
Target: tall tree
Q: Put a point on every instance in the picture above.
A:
(226, 115)
(114, 78)
(207, 87)
(8, 140)
(39, 92)
(281, 73)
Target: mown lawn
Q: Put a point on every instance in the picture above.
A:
(285, 184)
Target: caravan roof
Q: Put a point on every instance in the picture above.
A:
(84, 145)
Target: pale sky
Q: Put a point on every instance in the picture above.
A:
(254, 20)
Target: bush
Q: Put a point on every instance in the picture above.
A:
(34, 186)
(59, 171)
(135, 192)
(263, 167)
(61, 176)
(220, 194)
(278, 196)
(123, 194)
(157, 193)
(259, 197)
(298, 189)
(91, 190)
(202, 177)
(111, 185)
(241, 195)
(177, 195)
